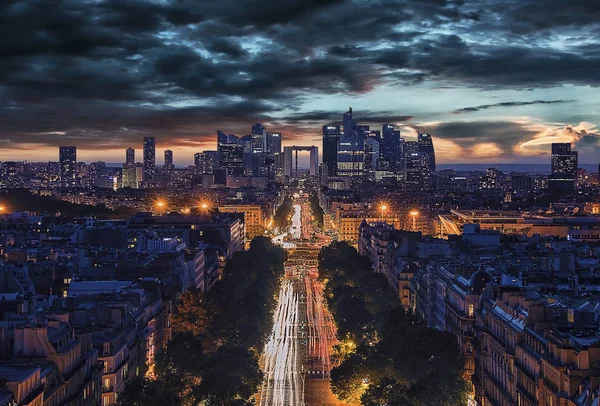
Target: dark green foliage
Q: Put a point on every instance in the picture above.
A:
(282, 214)
(316, 208)
(219, 365)
(398, 360)
(142, 392)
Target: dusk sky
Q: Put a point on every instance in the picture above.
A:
(492, 81)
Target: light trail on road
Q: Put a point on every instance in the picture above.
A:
(292, 351)
(321, 328)
(283, 382)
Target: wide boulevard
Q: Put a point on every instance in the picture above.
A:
(296, 361)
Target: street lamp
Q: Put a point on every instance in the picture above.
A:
(383, 208)
(160, 204)
(414, 214)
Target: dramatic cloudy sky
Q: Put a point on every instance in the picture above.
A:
(492, 80)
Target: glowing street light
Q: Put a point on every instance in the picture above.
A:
(2, 208)
(161, 206)
(186, 210)
(383, 207)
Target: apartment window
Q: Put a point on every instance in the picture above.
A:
(106, 383)
(105, 401)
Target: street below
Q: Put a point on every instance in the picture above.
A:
(297, 358)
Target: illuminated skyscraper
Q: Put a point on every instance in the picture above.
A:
(351, 148)
(331, 138)
(273, 143)
(564, 169)
(259, 138)
(205, 162)
(149, 157)
(417, 175)
(129, 158)
(232, 158)
(390, 147)
(68, 160)
(564, 161)
(426, 148)
(169, 160)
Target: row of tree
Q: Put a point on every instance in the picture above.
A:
(282, 215)
(386, 356)
(316, 208)
(219, 336)
(23, 200)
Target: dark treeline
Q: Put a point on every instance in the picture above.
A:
(218, 336)
(283, 213)
(316, 208)
(388, 356)
(23, 200)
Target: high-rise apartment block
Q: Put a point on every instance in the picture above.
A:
(149, 157)
(68, 160)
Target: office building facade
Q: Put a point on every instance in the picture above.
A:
(564, 163)
(129, 158)
(426, 148)
(169, 160)
(231, 158)
(351, 149)
(331, 138)
(273, 143)
(149, 157)
(68, 161)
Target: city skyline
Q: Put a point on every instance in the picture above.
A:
(494, 83)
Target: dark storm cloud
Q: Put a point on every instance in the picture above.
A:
(94, 67)
(364, 116)
(508, 104)
(505, 134)
(103, 127)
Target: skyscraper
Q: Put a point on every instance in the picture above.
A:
(563, 160)
(273, 143)
(223, 138)
(372, 147)
(149, 157)
(169, 160)
(205, 162)
(426, 148)
(68, 160)
(232, 158)
(331, 137)
(564, 169)
(413, 177)
(259, 138)
(246, 143)
(129, 177)
(351, 148)
(389, 147)
(129, 158)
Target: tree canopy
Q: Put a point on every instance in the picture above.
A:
(386, 356)
(219, 336)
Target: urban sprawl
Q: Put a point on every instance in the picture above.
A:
(101, 265)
